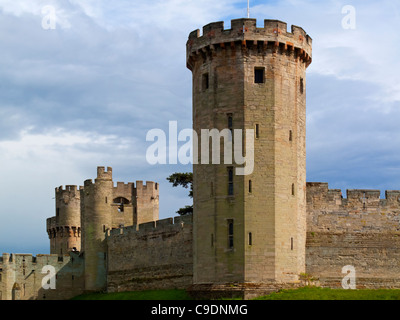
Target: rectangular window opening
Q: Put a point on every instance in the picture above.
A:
(291, 243)
(290, 135)
(250, 186)
(230, 121)
(301, 85)
(293, 190)
(230, 234)
(206, 81)
(259, 75)
(257, 131)
(250, 239)
(230, 181)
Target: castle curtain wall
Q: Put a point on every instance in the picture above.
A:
(149, 256)
(361, 231)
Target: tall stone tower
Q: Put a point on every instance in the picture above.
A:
(64, 229)
(250, 229)
(96, 218)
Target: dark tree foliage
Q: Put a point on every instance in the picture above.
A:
(184, 180)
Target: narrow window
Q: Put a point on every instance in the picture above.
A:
(293, 189)
(363, 199)
(156, 186)
(250, 239)
(212, 240)
(301, 85)
(257, 131)
(106, 199)
(291, 243)
(259, 75)
(104, 228)
(230, 121)
(290, 135)
(230, 234)
(230, 125)
(250, 186)
(230, 181)
(206, 81)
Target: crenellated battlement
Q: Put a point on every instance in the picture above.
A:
(150, 185)
(102, 174)
(71, 189)
(153, 226)
(123, 188)
(317, 191)
(245, 33)
(27, 259)
(362, 211)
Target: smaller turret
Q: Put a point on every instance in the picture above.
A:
(64, 229)
(102, 174)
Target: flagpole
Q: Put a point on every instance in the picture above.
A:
(248, 9)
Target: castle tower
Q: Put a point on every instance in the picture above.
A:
(146, 197)
(64, 229)
(96, 218)
(250, 228)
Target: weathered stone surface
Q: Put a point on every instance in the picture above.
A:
(21, 276)
(272, 213)
(151, 256)
(361, 230)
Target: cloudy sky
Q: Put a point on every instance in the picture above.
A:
(85, 93)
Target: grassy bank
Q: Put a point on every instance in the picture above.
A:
(314, 293)
(307, 293)
(137, 295)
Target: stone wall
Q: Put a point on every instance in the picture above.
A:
(21, 276)
(361, 230)
(155, 255)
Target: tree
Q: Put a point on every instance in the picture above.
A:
(184, 180)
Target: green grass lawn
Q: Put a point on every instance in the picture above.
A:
(137, 295)
(307, 293)
(314, 293)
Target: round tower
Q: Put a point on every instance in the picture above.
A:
(96, 219)
(250, 227)
(65, 228)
